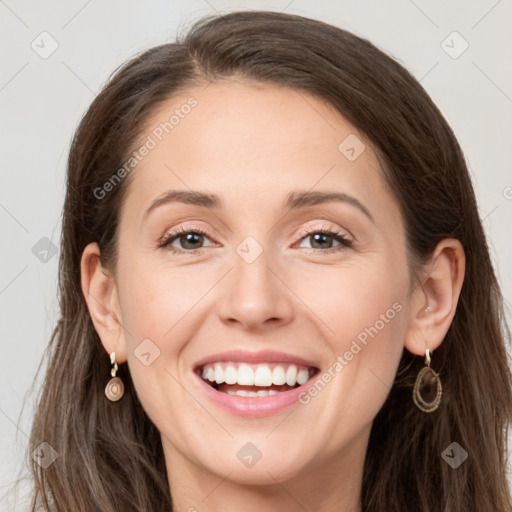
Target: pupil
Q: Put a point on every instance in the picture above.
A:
(189, 239)
(318, 238)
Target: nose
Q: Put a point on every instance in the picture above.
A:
(256, 297)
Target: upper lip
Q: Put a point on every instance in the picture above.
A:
(262, 356)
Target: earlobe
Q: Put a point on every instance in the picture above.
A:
(100, 293)
(434, 302)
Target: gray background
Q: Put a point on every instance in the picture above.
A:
(42, 100)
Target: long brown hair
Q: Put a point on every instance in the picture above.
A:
(110, 456)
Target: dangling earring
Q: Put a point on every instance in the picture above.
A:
(426, 380)
(115, 387)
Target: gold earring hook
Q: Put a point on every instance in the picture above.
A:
(113, 362)
(427, 357)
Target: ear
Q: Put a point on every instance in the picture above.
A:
(434, 301)
(100, 292)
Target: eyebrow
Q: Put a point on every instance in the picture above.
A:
(294, 200)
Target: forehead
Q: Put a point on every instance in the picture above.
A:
(251, 144)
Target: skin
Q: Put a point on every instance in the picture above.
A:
(252, 145)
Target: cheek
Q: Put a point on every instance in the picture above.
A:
(351, 299)
(157, 299)
(361, 311)
(155, 305)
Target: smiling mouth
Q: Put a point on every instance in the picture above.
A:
(255, 380)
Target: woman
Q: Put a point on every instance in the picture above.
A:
(276, 292)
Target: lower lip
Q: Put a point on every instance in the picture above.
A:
(252, 407)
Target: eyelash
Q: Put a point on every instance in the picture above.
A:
(336, 235)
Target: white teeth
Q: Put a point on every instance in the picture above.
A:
(302, 376)
(262, 375)
(219, 374)
(252, 393)
(278, 376)
(245, 375)
(230, 375)
(291, 375)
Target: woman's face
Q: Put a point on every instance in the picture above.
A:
(264, 291)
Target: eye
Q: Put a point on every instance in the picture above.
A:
(190, 239)
(322, 239)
